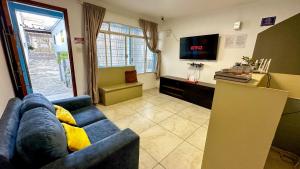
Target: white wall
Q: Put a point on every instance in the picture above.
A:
(220, 22)
(60, 46)
(6, 90)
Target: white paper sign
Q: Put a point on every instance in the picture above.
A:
(236, 41)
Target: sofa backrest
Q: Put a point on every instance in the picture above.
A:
(35, 100)
(41, 138)
(112, 75)
(9, 124)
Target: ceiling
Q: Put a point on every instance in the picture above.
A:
(173, 8)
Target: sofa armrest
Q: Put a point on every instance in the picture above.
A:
(74, 103)
(119, 151)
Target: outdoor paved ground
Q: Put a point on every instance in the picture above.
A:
(45, 79)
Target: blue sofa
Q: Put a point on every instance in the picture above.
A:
(32, 137)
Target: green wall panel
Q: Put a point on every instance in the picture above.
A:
(281, 43)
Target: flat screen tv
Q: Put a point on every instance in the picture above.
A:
(199, 47)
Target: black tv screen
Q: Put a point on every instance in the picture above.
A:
(199, 47)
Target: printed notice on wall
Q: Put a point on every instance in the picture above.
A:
(236, 41)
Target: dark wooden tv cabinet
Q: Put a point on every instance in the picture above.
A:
(198, 93)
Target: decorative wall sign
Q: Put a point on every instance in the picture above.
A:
(236, 41)
(79, 40)
(268, 21)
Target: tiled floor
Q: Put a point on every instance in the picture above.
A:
(172, 132)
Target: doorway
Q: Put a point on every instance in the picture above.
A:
(44, 49)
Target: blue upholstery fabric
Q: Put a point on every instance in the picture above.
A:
(35, 100)
(9, 124)
(74, 103)
(41, 138)
(87, 115)
(5, 164)
(118, 151)
(100, 130)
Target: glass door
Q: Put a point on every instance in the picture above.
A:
(43, 49)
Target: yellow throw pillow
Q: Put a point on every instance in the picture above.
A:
(64, 115)
(77, 138)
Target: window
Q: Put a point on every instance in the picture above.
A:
(121, 45)
(137, 53)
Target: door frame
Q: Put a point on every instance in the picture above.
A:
(21, 85)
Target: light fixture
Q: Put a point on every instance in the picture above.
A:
(237, 25)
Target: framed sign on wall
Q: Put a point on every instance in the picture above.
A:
(268, 21)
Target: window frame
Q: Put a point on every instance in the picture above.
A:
(108, 32)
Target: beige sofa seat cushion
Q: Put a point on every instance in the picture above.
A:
(112, 88)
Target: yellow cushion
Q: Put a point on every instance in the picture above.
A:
(77, 138)
(64, 115)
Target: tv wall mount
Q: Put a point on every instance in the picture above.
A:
(196, 65)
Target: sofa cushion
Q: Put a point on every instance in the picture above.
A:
(120, 86)
(130, 76)
(9, 124)
(77, 138)
(35, 100)
(41, 138)
(100, 130)
(64, 115)
(87, 115)
(74, 103)
(112, 75)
